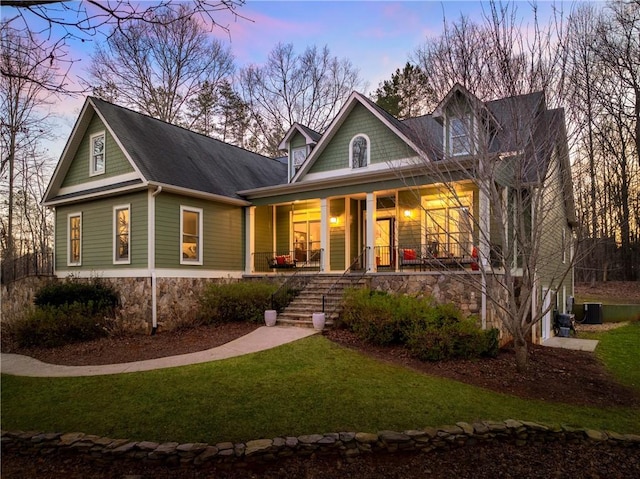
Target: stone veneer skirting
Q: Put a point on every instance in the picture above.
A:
(345, 444)
(177, 298)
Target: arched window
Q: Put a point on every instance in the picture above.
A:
(359, 151)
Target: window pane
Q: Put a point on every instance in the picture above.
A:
(299, 155)
(97, 154)
(459, 136)
(74, 239)
(122, 234)
(359, 152)
(190, 236)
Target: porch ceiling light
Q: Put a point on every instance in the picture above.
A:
(407, 213)
(333, 220)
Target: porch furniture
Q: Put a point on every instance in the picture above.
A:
(282, 262)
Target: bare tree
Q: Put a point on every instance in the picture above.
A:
(513, 152)
(52, 25)
(307, 88)
(157, 68)
(24, 99)
(604, 91)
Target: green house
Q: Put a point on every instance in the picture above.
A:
(476, 191)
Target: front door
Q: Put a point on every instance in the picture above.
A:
(384, 242)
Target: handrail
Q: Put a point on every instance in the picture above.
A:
(347, 271)
(292, 287)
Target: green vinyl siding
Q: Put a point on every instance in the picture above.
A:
(115, 161)
(298, 141)
(551, 221)
(283, 227)
(98, 233)
(263, 229)
(337, 235)
(222, 236)
(385, 145)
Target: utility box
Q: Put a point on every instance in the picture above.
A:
(592, 313)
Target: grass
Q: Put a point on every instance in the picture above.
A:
(619, 349)
(310, 386)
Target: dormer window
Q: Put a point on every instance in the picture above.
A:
(298, 156)
(359, 151)
(97, 156)
(460, 135)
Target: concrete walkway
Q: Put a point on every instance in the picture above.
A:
(258, 340)
(571, 343)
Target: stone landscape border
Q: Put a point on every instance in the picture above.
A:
(347, 445)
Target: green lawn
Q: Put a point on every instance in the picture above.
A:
(310, 386)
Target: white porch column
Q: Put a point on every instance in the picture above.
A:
(371, 232)
(250, 238)
(484, 225)
(484, 250)
(324, 234)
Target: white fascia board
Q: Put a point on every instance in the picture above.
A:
(70, 148)
(67, 190)
(119, 143)
(337, 123)
(166, 188)
(92, 196)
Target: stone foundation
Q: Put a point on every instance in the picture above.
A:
(347, 445)
(16, 298)
(177, 298)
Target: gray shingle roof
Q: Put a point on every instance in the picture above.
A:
(172, 155)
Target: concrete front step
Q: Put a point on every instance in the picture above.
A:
(303, 323)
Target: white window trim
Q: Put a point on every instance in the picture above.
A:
(199, 211)
(366, 137)
(115, 234)
(92, 170)
(69, 262)
(293, 157)
(466, 118)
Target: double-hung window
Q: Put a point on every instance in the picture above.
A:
(191, 235)
(460, 135)
(74, 237)
(122, 234)
(97, 154)
(298, 155)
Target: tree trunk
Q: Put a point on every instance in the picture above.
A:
(522, 355)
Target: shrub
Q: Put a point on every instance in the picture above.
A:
(67, 312)
(52, 326)
(381, 318)
(101, 297)
(430, 331)
(243, 301)
(461, 339)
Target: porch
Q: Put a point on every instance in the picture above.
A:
(410, 229)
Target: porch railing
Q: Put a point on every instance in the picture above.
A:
(31, 264)
(431, 257)
(284, 261)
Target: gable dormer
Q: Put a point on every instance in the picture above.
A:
(298, 143)
(467, 123)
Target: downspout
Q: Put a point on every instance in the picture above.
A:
(152, 260)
